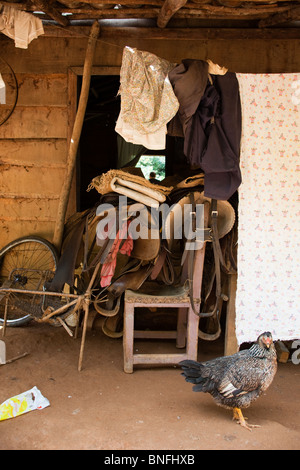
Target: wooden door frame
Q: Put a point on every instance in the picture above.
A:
(73, 74)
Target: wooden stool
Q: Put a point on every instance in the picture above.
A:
(164, 297)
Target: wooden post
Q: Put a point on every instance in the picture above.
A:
(86, 307)
(64, 196)
(231, 344)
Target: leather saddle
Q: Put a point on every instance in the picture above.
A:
(131, 261)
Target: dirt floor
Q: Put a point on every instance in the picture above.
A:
(101, 407)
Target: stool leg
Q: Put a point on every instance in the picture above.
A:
(181, 328)
(192, 335)
(128, 337)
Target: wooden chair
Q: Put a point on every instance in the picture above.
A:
(186, 334)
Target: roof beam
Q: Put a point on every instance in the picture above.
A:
(291, 14)
(168, 9)
(47, 7)
(188, 34)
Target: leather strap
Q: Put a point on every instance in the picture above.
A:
(163, 266)
(217, 258)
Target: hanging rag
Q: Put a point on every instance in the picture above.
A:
(21, 26)
(148, 101)
(209, 119)
(2, 91)
(189, 80)
(123, 244)
(213, 140)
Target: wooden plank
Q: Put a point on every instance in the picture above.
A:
(158, 358)
(38, 152)
(23, 209)
(26, 182)
(42, 56)
(10, 230)
(190, 34)
(291, 14)
(34, 89)
(282, 352)
(139, 334)
(190, 10)
(277, 52)
(32, 122)
(123, 2)
(175, 33)
(46, 89)
(98, 70)
(96, 3)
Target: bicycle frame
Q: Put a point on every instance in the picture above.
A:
(77, 301)
(80, 301)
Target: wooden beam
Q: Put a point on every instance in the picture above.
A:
(168, 9)
(84, 94)
(187, 10)
(187, 34)
(203, 2)
(47, 8)
(282, 352)
(291, 14)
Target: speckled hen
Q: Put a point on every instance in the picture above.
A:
(236, 381)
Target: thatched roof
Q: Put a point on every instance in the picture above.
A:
(165, 13)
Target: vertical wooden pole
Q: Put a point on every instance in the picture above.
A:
(86, 306)
(231, 344)
(64, 196)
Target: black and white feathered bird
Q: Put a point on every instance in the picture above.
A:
(235, 381)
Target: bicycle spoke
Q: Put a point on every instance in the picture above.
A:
(27, 263)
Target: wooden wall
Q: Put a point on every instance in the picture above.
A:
(34, 141)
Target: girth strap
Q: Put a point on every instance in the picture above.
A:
(218, 260)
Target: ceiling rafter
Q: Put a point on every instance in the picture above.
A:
(47, 7)
(169, 8)
(252, 13)
(292, 14)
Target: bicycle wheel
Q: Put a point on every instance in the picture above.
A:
(8, 102)
(26, 263)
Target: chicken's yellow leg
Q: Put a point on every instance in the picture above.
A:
(238, 415)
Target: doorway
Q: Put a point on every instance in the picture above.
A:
(97, 151)
(98, 146)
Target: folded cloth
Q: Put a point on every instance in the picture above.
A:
(132, 186)
(21, 26)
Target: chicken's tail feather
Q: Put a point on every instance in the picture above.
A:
(192, 372)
